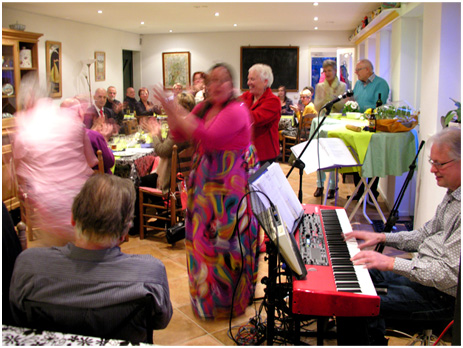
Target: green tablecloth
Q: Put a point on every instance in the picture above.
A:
(381, 154)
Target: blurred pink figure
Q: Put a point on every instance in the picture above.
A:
(53, 159)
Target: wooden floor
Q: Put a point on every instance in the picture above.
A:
(186, 330)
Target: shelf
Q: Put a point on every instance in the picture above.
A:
(27, 69)
(7, 69)
(380, 21)
(8, 96)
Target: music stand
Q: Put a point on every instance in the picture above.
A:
(297, 162)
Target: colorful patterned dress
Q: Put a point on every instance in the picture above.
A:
(219, 257)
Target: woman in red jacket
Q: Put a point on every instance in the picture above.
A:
(265, 111)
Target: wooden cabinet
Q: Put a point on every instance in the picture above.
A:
(9, 185)
(13, 41)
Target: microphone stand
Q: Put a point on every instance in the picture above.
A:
(298, 163)
(392, 219)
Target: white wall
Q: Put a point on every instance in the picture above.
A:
(78, 42)
(209, 48)
(441, 76)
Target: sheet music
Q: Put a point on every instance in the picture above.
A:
(275, 185)
(333, 153)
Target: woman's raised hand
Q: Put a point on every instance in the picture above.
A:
(150, 125)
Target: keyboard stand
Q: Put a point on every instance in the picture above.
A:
(364, 200)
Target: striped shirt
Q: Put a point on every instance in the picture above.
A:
(83, 278)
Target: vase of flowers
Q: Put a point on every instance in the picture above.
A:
(351, 110)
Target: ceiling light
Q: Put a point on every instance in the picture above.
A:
(235, 25)
(170, 30)
(315, 18)
(217, 14)
(315, 3)
(142, 23)
(99, 11)
(316, 28)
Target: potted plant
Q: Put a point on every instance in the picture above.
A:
(453, 117)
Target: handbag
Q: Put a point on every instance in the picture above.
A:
(175, 233)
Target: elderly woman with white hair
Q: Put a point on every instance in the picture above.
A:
(265, 110)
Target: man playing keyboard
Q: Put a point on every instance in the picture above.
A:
(428, 282)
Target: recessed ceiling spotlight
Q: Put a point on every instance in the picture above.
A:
(99, 11)
(315, 18)
(142, 23)
(235, 25)
(315, 3)
(316, 28)
(170, 30)
(217, 14)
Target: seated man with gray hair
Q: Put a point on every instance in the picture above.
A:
(93, 272)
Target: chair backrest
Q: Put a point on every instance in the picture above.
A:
(304, 127)
(185, 161)
(130, 321)
(181, 163)
(100, 170)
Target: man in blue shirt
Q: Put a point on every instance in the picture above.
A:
(368, 89)
(369, 86)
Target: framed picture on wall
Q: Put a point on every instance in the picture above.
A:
(175, 69)
(53, 62)
(100, 66)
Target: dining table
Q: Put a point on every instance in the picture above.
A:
(380, 154)
(133, 154)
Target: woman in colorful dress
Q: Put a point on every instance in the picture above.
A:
(220, 128)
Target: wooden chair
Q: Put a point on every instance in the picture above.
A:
(12, 194)
(303, 132)
(100, 169)
(166, 207)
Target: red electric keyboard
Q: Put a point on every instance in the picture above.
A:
(338, 288)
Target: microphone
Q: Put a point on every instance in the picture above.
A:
(348, 93)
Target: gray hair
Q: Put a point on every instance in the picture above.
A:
(31, 91)
(367, 63)
(104, 208)
(265, 72)
(329, 62)
(450, 137)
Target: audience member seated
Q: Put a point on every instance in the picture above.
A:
(98, 111)
(115, 105)
(11, 247)
(144, 107)
(177, 88)
(53, 159)
(99, 135)
(199, 86)
(265, 112)
(285, 101)
(93, 272)
(306, 99)
(130, 101)
(425, 285)
(163, 147)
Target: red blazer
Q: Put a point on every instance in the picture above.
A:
(265, 114)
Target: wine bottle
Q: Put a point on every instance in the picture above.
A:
(379, 102)
(372, 123)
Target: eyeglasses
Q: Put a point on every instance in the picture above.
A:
(358, 69)
(438, 165)
(305, 96)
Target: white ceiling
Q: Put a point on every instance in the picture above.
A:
(194, 17)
